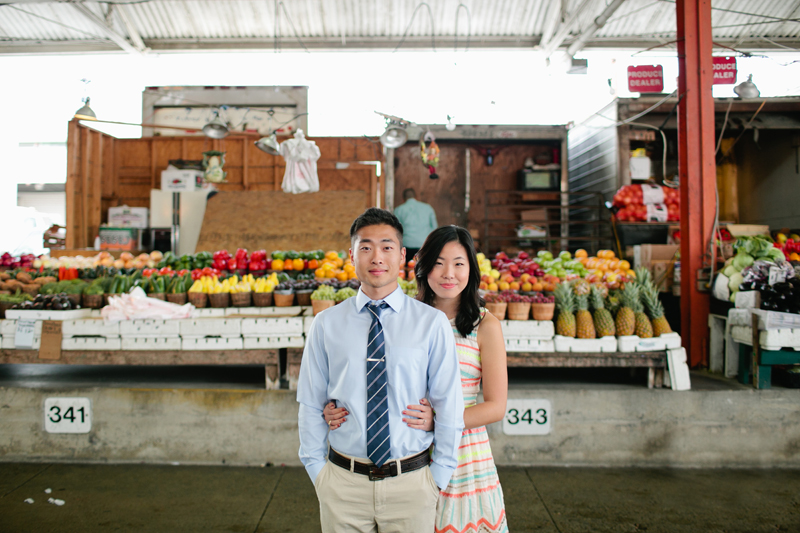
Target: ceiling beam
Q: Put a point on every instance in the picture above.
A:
(111, 34)
(133, 33)
(590, 32)
(552, 45)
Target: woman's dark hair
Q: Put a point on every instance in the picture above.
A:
(374, 216)
(470, 302)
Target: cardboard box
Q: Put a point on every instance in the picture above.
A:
(659, 260)
(538, 216)
(122, 239)
(128, 217)
(640, 168)
(173, 179)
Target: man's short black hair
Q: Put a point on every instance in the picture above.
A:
(409, 193)
(374, 216)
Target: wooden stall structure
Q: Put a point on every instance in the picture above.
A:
(104, 171)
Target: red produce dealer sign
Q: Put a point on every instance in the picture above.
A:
(724, 70)
(646, 79)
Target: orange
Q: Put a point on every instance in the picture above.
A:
(503, 285)
(320, 272)
(539, 287)
(298, 264)
(581, 253)
(514, 286)
(493, 287)
(349, 268)
(277, 264)
(624, 265)
(613, 264)
(341, 275)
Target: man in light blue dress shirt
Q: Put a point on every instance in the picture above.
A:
(421, 362)
(418, 220)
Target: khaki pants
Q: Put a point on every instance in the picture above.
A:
(350, 502)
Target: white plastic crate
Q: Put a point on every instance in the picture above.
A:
(532, 329)
(210, 326)
(71, 314)
(530, 345)
(91, 343)
(262, 343)
(212, 343)
(266, 327)
(8, 343)
(632, 343)
(568, 344)
(149, 328)
(771, 339)
(96, 313)
(209, 312)
(766, 319)
(307, 321)
(9, 327)
(151, 343)
(89, 326)
(294, 310)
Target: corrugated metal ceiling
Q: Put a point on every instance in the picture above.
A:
(36, 26)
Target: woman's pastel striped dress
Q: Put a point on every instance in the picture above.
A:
(473, 501)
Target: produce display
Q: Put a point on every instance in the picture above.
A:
(747, 251)
(643, 203)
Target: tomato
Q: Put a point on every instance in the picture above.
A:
(166, 271)
(313, 264)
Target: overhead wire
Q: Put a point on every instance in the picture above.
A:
(414, 14)
(469, 26)
(98, 37)
(277, 38)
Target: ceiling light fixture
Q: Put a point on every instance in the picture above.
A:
(747, 89)
(216, 129)
(450, 126)
(85, 112)
(395, 135)
(269, 144)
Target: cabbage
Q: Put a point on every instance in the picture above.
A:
(776, 255)
(729, 270)
(735, 281)
(742, 261)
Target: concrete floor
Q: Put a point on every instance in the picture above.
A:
(145, 498)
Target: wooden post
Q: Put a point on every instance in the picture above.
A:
(697, 168)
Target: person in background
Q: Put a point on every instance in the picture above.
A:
(376, 354)
(448, 277)
(418, 220)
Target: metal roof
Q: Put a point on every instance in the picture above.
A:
(136, 26)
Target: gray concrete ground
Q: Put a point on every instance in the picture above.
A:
(145, 498)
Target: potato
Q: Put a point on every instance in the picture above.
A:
(4, 276)
(24, 277)
(30, 288)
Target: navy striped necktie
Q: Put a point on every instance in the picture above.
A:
(378, 441)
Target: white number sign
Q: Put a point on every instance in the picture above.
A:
(67, 415)
(527, 417)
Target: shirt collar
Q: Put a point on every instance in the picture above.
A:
(395, 300)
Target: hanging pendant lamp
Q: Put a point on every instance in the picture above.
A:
(85, 112)
(216, 129)
(269, 144)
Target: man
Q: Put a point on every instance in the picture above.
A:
(376, 354)
(418, 220)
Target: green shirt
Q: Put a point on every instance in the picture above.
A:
(418, 220)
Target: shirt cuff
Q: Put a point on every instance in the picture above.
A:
(314, 469)
(441, 475)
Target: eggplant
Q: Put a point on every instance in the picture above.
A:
(782, 287)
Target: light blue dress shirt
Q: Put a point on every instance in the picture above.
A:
(418, 219)
(421, 362)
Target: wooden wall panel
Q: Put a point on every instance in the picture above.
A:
(105, 172)
(278, 221)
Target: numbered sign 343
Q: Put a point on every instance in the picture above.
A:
(67, 415)
(527, 417)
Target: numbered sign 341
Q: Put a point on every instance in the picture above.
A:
(67, 415)
(527, 417)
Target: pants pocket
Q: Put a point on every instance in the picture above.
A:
(321, 476)
(432, 481)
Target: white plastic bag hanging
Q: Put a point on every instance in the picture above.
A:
(301, 164)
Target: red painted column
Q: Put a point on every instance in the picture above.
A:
(697, 169)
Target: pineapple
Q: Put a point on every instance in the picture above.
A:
(644, 329)
(580, 286)
(643, 278)
(584, 318)
(603, 322)
(656, 311)
(626, 319)
(565, 302)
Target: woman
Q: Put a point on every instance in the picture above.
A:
(448, 277)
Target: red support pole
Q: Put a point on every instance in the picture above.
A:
(697, 169)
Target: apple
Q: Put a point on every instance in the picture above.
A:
(522, 255)
(495, 273)
(483, 285)
(565, 255)
(513, 267)
(527, 287)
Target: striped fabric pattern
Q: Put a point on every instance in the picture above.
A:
(473, 501)
(378, 441)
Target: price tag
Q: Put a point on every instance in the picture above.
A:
(528, 417)
(23, 337)
(776, 275)
(67, 415)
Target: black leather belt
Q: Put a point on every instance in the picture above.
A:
(389, 469)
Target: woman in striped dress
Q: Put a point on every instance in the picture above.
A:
(448, 278)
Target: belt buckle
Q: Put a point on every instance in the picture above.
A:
(387, 470)
(376, 474)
